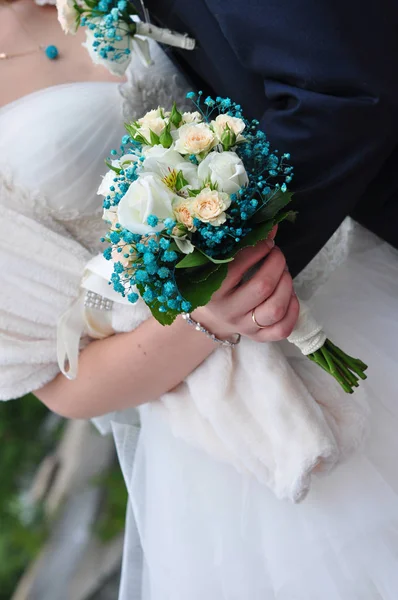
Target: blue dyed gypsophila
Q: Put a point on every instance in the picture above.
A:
(185, 191)
(114, 31)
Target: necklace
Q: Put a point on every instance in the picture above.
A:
(50, 51)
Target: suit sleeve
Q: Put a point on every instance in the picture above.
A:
(329, 94)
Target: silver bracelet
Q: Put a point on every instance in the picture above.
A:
(230, 344)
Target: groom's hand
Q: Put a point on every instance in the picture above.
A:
(269, 293)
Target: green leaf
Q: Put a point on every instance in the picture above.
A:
(194, 259)
(228, 138)
(166, 318)
(154, 138)
(290, 216)
(135, 134)
(131, 129)
(200, 295)
(173, 247)
(175, 116)
(255, 236)
(91, 3)
(111, 167)
(165, 137)
(218, 261)
(180, 181)
(274, 204)
(193, 193)
(200, 274)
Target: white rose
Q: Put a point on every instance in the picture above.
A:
(210, 205)
(195, 138)
(106, 184)
(192, 117)
(161, 161)
(109, 177)
(68, 15)
(116, 67)
(146, 196)
(221, 122)
(154, 120)
(224, 169)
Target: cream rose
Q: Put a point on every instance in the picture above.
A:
(225, 169)
(154, 120)
(184, 214)
(195, 138)
(110, 216)
(160, 160)
(146, 196)
(68, 15)
(221, 122)
(192, 117)
(210, 205)
(121, 257)
(116, 67)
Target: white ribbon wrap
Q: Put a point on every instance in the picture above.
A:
(80, 320)
(308, 335)
(165, 36)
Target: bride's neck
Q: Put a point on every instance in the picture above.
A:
(24, 27)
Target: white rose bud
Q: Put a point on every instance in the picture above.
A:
(146, 196)
(224, 169)
(210, 205)
(195, 138)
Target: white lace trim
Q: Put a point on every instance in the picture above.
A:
(87, 230)
(333, 254)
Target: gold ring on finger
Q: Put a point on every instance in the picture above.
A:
(255, 320)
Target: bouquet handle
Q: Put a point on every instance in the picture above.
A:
(311, 340)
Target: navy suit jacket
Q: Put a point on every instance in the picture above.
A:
(322, 78)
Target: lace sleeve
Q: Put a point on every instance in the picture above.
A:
(333, 254)
(147, 88)
(40, 276)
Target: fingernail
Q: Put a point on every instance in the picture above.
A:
(270, 243)
(286, 269)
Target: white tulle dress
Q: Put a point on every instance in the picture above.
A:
(198, 528)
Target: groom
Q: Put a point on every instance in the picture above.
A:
(322, 77)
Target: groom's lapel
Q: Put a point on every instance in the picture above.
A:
(213, 65)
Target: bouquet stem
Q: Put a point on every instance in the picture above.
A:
(344, 368)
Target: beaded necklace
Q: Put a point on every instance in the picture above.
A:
(50, 51)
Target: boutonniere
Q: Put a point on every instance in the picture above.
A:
(114, 31)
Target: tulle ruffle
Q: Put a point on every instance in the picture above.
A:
(209, 532)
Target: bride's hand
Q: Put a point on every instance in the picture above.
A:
(269, 292)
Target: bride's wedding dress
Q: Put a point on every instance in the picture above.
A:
(196, 527)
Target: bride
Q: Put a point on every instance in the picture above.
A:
(200, 524)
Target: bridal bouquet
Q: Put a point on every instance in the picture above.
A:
(114, 31)
(184, 194)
